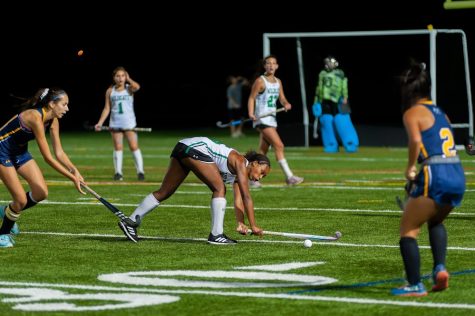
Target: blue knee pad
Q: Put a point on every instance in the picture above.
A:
(330, 144)
(317, 109)
(347, 132)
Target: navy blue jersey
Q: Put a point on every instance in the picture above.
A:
(438, 140)
(14, 138)
(441, 177)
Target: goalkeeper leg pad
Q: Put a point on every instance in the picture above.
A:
(347, 132)
(330, 144)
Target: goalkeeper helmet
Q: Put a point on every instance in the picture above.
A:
(330, 63)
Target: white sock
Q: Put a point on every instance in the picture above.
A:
(285, 168)
(138, 160)
(117, 157)
(146, 206)
(218, 208)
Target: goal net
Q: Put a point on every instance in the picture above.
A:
(372, 61)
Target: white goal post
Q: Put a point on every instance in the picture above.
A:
(432, 33)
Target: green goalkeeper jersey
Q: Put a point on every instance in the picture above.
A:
(332, 85)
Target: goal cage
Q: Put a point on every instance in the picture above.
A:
(373, 62)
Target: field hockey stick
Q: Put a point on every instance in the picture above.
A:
(111, 207)
(107, 128)
(242, 121)
(407, 188)
(135, 129)
(315, 128)
(302, 236)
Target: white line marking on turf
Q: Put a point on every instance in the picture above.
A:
(305, 185)
(317, 209)
(39, 299)
(340, 244)
(281, 267)
(252, 279)
(249, 294)
(302, 186)
(74, 156)
(179, 192)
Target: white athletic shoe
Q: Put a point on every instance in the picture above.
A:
(294, 180)
(255, 184)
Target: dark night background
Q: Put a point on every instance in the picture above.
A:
(182, 53)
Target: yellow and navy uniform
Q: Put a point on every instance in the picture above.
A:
(441, 177)
(14, 138)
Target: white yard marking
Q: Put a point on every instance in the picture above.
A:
(30, 300)
(381, 184)
(245, 294)
(105, 156)
(316, 209)
(159, 278)
(179, 192)
(337, 244)
(281, 267)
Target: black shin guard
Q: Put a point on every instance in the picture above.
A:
(438, 243)
(412, 261)
(29, 201)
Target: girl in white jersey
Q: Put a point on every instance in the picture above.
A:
(120, 104)
(262, 100)
(215, 164)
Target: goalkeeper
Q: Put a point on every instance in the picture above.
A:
(332, 109)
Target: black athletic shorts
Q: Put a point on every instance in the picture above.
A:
(182, 151)
(262, 126)
(329, 107)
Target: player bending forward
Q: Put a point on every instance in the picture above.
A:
(215, 164)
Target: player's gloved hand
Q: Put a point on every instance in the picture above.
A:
(470, 147)
(317, 109)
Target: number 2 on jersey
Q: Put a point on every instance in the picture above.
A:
(448, 144)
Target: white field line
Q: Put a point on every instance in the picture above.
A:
(180, 192)
(281, 267)
(294, 156)
(249, 294)
(99, 156)
(314, 209)
(337, 243)
(305, 185)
